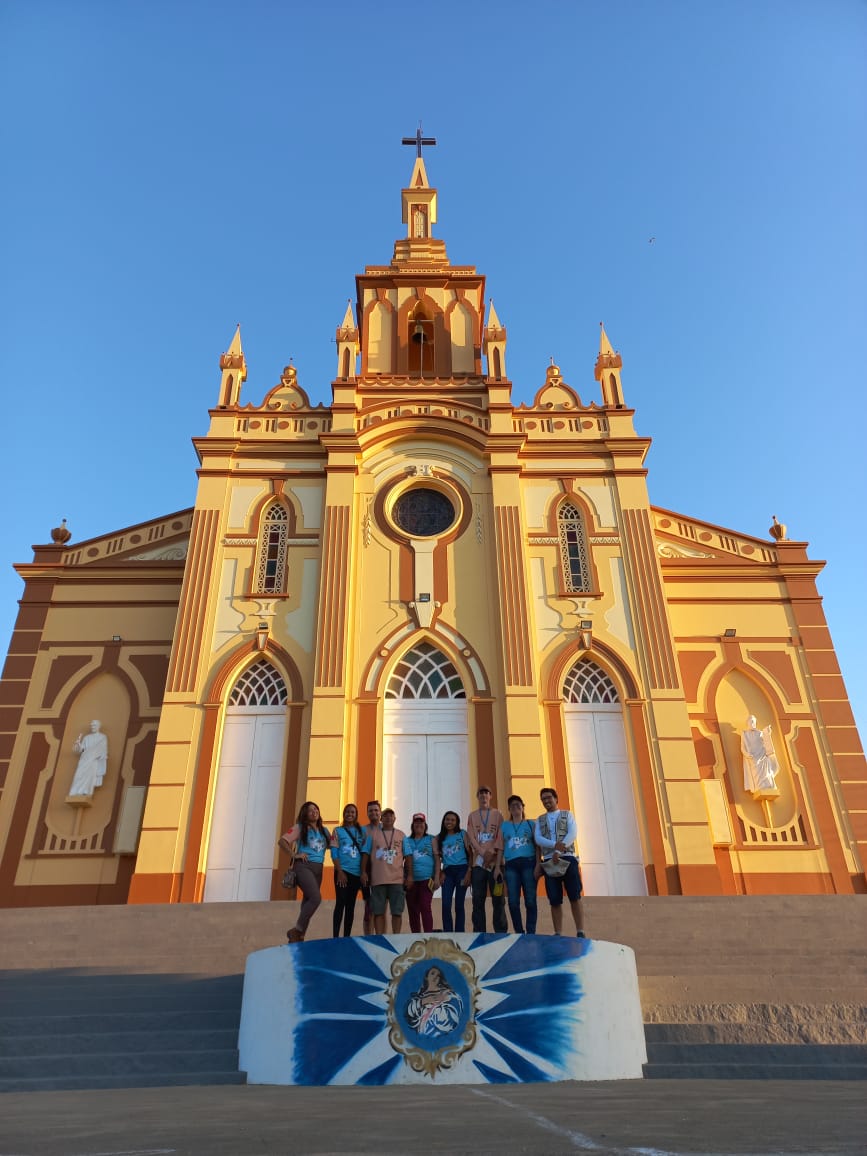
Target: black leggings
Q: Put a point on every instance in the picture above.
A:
(344, 904)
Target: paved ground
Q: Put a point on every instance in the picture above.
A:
(631, 1118)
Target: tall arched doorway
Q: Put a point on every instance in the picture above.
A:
(609, 843)
(425, 746)
(246, 810)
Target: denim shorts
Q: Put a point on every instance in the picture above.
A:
(571, 883)
(391, 895)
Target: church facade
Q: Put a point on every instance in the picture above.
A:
(417, 589)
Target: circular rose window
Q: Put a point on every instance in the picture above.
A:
(423, 513)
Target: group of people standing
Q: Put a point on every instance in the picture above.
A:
(492, 857)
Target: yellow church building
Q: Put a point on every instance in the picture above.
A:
(416, 589)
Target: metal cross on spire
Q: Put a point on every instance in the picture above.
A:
(418, 140)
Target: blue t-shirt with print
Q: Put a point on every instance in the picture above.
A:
(518, 840)
(314, 845)
(421, 852)
(453, 850)
(347, 846)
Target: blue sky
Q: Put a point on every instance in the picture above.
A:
(172, 168)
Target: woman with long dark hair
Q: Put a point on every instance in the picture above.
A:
(307, 843)
(455, 862)
(422, 849)
(347, 845)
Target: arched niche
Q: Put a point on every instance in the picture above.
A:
(380, 338)
(463, 342)
(106, 698)
(737, 697)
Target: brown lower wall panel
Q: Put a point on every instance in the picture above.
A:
(700, 879)
(74, 894)
(164, 888)
(726, 871)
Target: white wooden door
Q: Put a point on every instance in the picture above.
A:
(425, 760)
(246, 805)
(609, 843)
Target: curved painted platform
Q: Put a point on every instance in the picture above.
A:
(447, 1008)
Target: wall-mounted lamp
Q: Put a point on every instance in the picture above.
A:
(261, 635)
(730, 632)
(116, 638)
(585, 634)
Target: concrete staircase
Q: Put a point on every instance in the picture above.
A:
(746, 987)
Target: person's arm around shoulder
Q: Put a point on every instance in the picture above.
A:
(471, 833)
(366, 852)
(498, 840)
(408, 875)
(437, 862)
(287, 840)
(541, 840)
(339, 874)
(571, 832)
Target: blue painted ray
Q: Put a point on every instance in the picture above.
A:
(563, 968)
(375, 998)
(383, 957)
(491, 1057)
(552, 1071)
(374, 1053)
(489, 998)
(351, 975)
(488, 955)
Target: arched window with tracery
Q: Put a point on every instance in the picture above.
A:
(271, 566)
(259, 685)
(425, 672)
(587, 683)
(574, 551)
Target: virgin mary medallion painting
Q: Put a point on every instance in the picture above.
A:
(431, 1004)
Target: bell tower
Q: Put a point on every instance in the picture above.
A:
(420, 319)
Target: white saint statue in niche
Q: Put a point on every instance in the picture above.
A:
(760, 762)
(90, 772)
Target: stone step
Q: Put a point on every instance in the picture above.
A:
(110, 1023)
(727, 1071)
(98, 1064)
(658, 991)
(118, 1042)
(154, 1001)
(836, 1032)
(124, 1080)
(765, 1054)
(758, 1013)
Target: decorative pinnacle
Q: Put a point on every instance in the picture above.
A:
(60, 535)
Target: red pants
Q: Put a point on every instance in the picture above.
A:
(418, 900)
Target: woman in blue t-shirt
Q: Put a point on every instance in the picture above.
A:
(422, 851)
(519, 860)
(307, 843)
(347, 844)
(455, 860)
